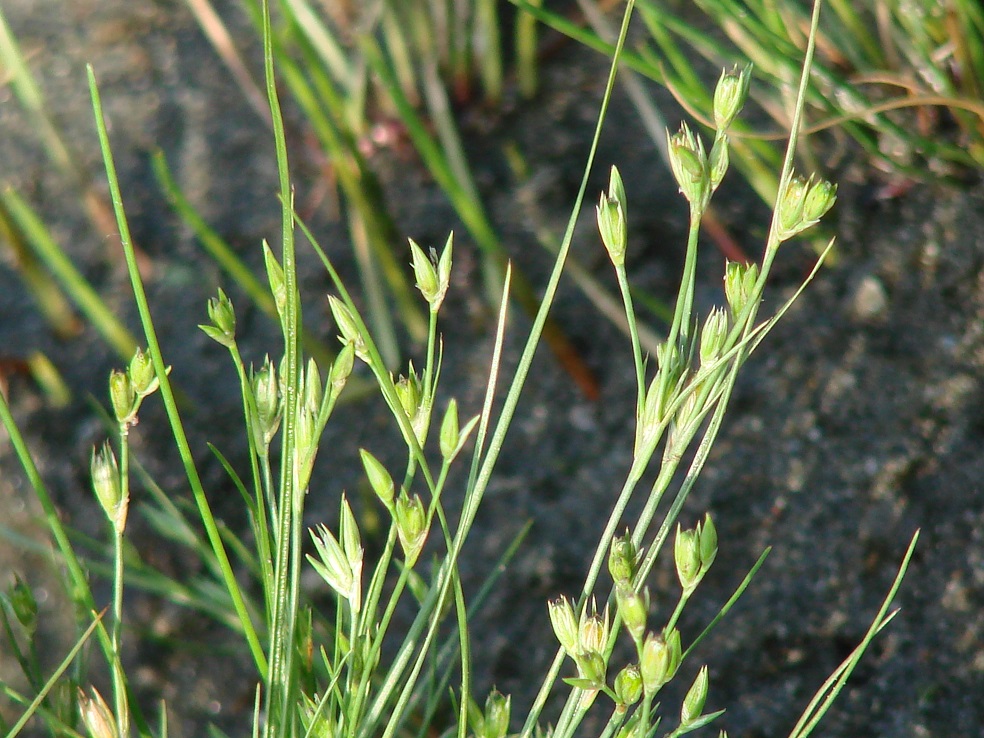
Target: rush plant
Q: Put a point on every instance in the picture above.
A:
(349, 671)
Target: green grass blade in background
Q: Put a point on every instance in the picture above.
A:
(83, 295)
(167, 394)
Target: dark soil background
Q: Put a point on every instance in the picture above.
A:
(859, 420)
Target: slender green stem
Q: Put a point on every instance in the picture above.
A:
(630, 317)
(677, 612)
(119, 685)
(680, 327)
(281, 681)
(167, 393)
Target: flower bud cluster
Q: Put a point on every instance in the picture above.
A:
(433, 274)
(688, 160)
(802, 204)
(222, 329)
(694, 551)
(713, 336)
(739, 286)
(585, 640)
(339, 559)
(415, 401)
(128, 389)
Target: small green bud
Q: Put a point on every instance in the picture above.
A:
(739, 285)
(444, 266)
(142, 375)
(802, 205)
(352, 546)
(411, 526)
(819, 200)
(123, 397)
(564, 624)
(266, 399)
(223, 327)
(654, 663)
(348, 327)
(790, 216)
(425, 271)
(628, 686)
(718, 161)
(660, 660)
(24, 605)
(497, 710)
(107, 486)
(96, 715)
(409, 391)
(591, 666)
(689, 164)
(593, 629)
(686, 553)
(713, 336)
(333, 565)
(341, 368)
(622, 560)
(633, 608)
(612, 219)
(707, 535)
(449, 436)
(317, 723)
(379, 479)
(660, 393)
(693, 703)
(433, 275)
(730, 95)
(313, 392)
(306, 433)
(275, 276)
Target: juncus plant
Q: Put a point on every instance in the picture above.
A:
(350, 672)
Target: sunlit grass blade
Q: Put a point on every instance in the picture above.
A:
(49, 298)
(167, 393)
(726, 608)
(53, 141)
(92, 306)
(831, 688)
